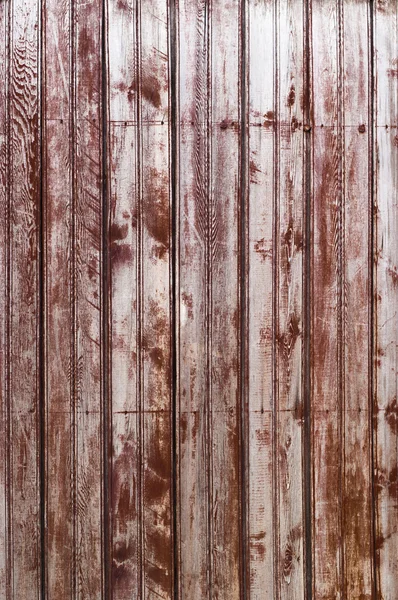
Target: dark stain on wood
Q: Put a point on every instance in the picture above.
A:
(260, 247)
(149, 87)
(123, 5)
(253, 170)
(392, 415)
(157, 209)
(292, 96)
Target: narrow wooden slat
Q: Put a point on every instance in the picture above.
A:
(288, 268)
(209, 92)
(386, 299)
(155, 300)
(59, 322)
(23, 311)
(326, 294)
(260, 222)
(224, 298)
(124, 289)
(193, 184)
(356, 305)
(3, 298)
(88, 300)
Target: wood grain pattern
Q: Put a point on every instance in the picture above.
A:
(126, 476)
(385, 332)
(4, 415)
(23, 304)
(88, 302)
(262, 529)
(356, 304)
(58, 263)
(342, 304)
(327, 282)
(288, 296)
(193, 352)
(275, 255)
(140, 303)
(73, 299)
(155, 301)
(198, 250)
(209, 304)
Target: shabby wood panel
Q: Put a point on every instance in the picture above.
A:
(341, 403)
(20, 300)
(385, 115)
(198, 313)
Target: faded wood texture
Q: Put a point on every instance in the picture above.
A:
(198, 316)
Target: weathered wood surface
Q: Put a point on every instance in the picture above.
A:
(73, 299)
(20, 161)
(198, 316)
(341, 353)
(385, 332)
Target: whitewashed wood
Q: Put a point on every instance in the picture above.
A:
(193, 185)
(4, 504)
(88, 340)
(209, 97)
(260, 507)
(59, 322)
(326, 293)
(23, 345)
(357, 424)
(224, 299)
(155, 298)
(236, 217)
(124, 259)
(288, 265)
(386, 263)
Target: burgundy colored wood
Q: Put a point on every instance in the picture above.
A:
(198, 316)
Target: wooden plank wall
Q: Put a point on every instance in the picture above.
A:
(198, 309)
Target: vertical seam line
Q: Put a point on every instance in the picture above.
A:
(42, 313)
(307, 450)
(73, 295)
(105, 379)
(173, 276)
(341, 285)
(275, 321)
(372, 286)
(209, 271)
(140, 415)
(243, 267)
(9, 579)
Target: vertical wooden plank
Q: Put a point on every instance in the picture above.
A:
(275, 310)
(209, 97)
(386, 300)
(193, 185)
(326, 334)
(58, 267)
(3, 297)
(356, 302)
(124, 257)
(155, 298)
(288, 277)
(23, 309)
(341, 438)
(87, 297)
(73, 293)
(140, 219)
(224, 298)
(260, 223)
